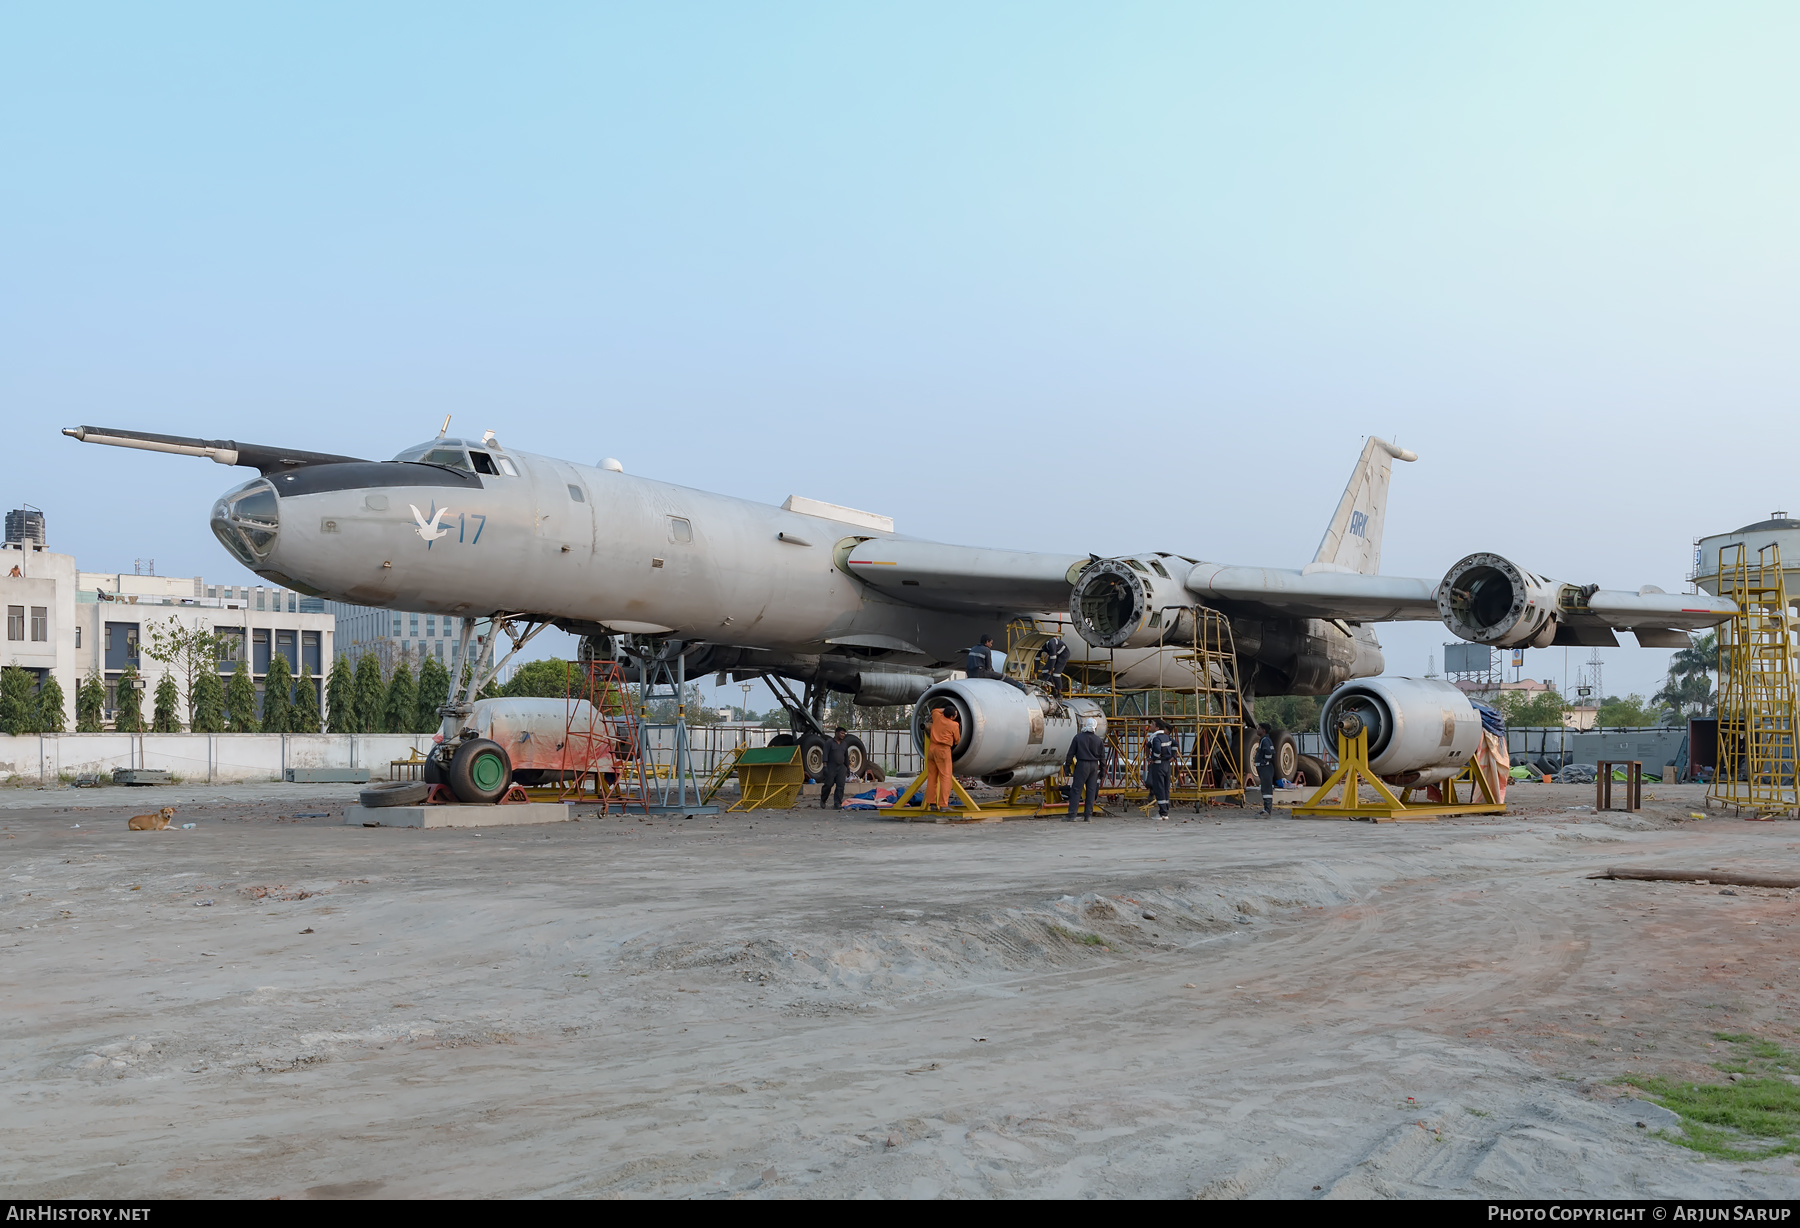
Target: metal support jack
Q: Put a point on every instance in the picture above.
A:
(1353, 772)
(665, 788)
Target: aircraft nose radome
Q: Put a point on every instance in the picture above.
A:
(247, 521)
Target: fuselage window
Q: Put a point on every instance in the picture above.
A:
(680, 530)
(506, 466)
(575, 493)
(1159, 569)
(483, 463)
(1135, 565)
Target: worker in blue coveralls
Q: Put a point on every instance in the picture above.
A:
(1161, 750)
(1265, 765)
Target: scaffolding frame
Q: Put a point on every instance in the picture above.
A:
(604, 735)
(1197, 691)
(1757, 756)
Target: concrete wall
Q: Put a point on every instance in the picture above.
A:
(213, 757)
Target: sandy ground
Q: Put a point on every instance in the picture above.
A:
(804, 1004)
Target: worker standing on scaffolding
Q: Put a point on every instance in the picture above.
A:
(1056, 659)
(944, 732)
(1086, 755)
(1265, 765)
(1161, 750)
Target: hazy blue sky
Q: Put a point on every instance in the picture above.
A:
(1075, 277)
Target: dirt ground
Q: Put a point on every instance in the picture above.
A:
(795, 1003)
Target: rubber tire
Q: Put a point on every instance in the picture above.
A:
(1312, 771)
(812, 752)
(394, 793)
(1287, 757)
(472, 775)
(784, 739)
(433, 771)
(856, 754)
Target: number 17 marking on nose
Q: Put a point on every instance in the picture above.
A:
(462, 525)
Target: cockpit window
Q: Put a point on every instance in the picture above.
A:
(483, 463)
(455, 458)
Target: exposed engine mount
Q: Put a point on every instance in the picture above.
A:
(1009, 736)
(1132, 602)
(1492, 600)
(1421, 730)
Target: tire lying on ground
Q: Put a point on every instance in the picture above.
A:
(395, 793)
(1312, 770)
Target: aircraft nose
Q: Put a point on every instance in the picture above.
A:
(247, 521)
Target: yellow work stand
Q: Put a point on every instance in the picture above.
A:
(1353, 772)
(769, 778)
(969, 812)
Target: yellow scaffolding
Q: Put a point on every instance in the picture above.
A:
(1757, 751)
(1200, 697)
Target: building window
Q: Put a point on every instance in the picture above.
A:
(412, 624)
(259, 652)
(293, 603)
(396, 624)
(260, 598)
(440, 650)
(40, 623)
(78, 635)
(15, 622)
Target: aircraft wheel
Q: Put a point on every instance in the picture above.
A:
(433, 771)
(1312, 771)
(812, 755)
(855, 755)
(783, 739)
(480, 771)
(1287, 757)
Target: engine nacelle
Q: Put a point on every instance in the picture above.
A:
(1421, 730)
(1132, 602)
(1491, 600)
(1009, 736)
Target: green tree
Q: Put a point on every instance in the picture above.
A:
(18, 706)
(188, 653)
(167, 716)
(128, 707)
(340, 697)
(50, 715)
(434, 693)
(402, 706)
(90, 704)
(1630, 712)
(1288, 713)
(208, 708)
(551, 679)
(1538, 709)
(240, 701)
(371, 694)
(304, 718)
(278, 695)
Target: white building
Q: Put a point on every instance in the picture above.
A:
(393, 635)
(74, 624)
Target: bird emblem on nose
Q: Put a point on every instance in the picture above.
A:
(430, 530)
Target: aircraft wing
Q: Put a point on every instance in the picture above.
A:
(965, 578)
(1280, 593)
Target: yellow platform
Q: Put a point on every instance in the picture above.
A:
(1353, 773)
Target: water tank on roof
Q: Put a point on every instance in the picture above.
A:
(25, 527)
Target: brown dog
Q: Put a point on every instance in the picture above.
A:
(152, 822)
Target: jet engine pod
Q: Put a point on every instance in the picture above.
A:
(1113, 604)
(1421, 730)
(1491, 600)
(1009, 736)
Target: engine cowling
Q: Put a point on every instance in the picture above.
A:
(1492, 600)
(1421, 730)
(1009, 736)
(1132, 602)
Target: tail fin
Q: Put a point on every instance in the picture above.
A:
(1352, 540)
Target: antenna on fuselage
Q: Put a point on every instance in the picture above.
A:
(444, 429)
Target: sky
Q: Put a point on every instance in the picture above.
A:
(1070, 277)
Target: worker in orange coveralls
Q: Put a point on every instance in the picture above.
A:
(946, 732)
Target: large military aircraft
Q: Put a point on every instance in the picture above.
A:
(831, 597)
